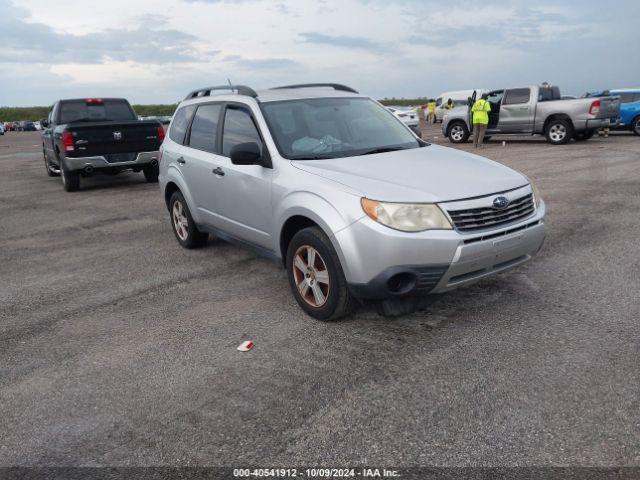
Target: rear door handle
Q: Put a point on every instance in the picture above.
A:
(218, 171)
(181, 161)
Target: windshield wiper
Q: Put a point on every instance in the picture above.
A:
(311, 157)
(382, 150)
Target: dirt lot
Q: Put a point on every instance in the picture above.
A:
(118, 347)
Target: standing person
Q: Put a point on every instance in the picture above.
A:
(431, 109)
(449, 105)
(480, 111)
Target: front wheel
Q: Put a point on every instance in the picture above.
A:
(635, 125)
(458, 133)
(183, 225)
(559, 132)
(316, 277)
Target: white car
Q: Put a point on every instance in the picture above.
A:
(458, 97)
(408, 117)
(1, 128)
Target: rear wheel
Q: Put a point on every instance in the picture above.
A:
(582, 136)
(70, 180)
(316, 277)
(458, 132)
(184, 227)
(559, 132)
(151, 173)
(51, 171)
(635, 125)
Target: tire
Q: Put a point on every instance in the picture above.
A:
(583, 136)
(184, 227)
(151, 173)
(559, 132)
(458, 132)
(70, 180)
(635, 125)
(47, 165)
(327, 299)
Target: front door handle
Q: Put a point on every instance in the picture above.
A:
(218, 171)
(181, 161)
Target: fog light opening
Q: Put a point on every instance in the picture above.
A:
(401, 283)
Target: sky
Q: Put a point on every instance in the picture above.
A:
(156, 51)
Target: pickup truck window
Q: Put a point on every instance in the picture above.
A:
(517, 96)
(95, 111)
(205, 128)
(180, 123)
(629, 97)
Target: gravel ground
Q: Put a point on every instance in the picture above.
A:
(118, 347)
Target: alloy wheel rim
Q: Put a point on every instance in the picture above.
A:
(311, 276)
(557, 132)
(637, 126)
(457, 133)
(180, 222)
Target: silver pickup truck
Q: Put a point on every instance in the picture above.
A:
(536, 110)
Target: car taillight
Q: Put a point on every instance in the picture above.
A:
(68, 142)
(161, 134)
(93, 100)
(595, 107)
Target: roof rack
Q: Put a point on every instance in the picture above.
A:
(335, 86)
(239, 89)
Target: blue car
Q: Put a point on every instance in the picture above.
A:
(629, 107)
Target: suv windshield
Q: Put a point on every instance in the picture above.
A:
(98, 111)
(321, 128)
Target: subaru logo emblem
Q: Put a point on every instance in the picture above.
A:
(117, 135)
(500, 203)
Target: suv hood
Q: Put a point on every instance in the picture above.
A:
(421, 175)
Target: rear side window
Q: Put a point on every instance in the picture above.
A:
(205, 128)
(238, 128)
(516, 96)
(180, 123)
(629, 97)
(95, 111)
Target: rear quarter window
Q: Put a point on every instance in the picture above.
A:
(180, 123)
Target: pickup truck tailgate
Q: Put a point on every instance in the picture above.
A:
(609, 107)
(109, 138)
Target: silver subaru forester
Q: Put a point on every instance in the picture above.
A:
(329, 183)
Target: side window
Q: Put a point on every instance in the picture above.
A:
(204, 128)
(180, 123)
(54, 113)
(626, 97)
(636, 97)
(238, 128)
(516, 96)
(495, 97)
(438, 101)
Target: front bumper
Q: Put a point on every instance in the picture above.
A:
(98, 162)
(384, 263)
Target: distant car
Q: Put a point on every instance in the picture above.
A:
(38, 126)
(8, 126)
(408, 117)
(1, 129)
(629, 107)
(29, 127)
(166, 120)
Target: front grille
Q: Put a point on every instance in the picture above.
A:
(473, 219)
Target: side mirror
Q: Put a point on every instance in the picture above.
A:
(248, 154)
(44, 123)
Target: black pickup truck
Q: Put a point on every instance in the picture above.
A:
(85, 136)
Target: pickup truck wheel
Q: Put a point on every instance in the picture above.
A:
(582, 136)
(183, 225)
(151, 173)
(70, 180)
(635, 125)
(458, 132)
(559, 132)
(51, 171)
(316, 277)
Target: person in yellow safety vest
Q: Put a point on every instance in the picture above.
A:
(480, 111)
(449, 105)
(431, 109)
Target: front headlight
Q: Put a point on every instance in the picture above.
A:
(407, 217)
(536, 194)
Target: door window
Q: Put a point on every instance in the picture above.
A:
(204, 128)
(628, 97)
(180, 123)
(238, 128)
(517, 96)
